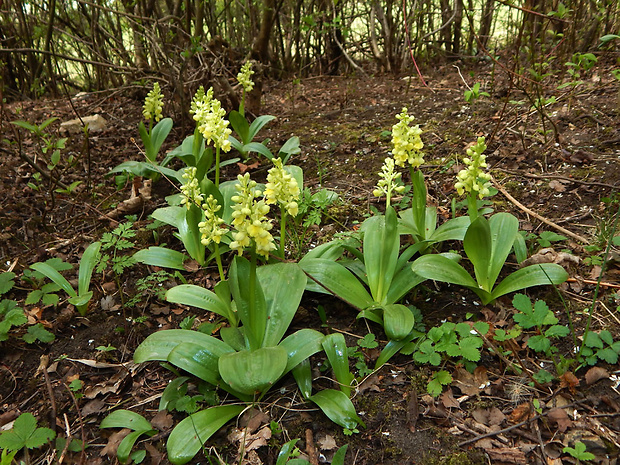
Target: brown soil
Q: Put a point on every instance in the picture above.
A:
(342, 124)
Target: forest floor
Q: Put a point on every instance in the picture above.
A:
(568, 176)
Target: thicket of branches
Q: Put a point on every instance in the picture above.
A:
(49, 45)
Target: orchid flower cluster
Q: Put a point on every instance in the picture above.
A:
(282, 188)
(209, 116)
(390, 181)
(211, 229)
(250, 218)
(407, 141)
(190, 190)
(245, 77)
(153, 104)
(473, 179)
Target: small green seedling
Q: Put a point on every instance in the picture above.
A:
(579, 452)
(82, 296)
(24, 435)
(474, 94)
(135, 422)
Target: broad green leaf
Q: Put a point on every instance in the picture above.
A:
(197, 296)
(339, 456)
(159, 134)
(233, 336)
(390, 349)
(199, 360)
(440, 268)
(285, 452)
(257, 125)
(159, 345)
(290, 147)
(172, 391)
(126, 419)
(452, 230)
(297, 173)
(557, 331)
(253, 372)
(478, 247)
(25, 434)
(303, 376)
(533, 275)
(38, 332)
(336, 350)
(87, 265)
(250, 300)
(6, 282)
(402, 283)
(81, 301)
(398, 321)
(55, 276)
(335, 279)
(190, 434)
(469, 348)
(257, 147)
(300, 345)
(381, 244)
(592, 339)
(240, 125)
(504, 229)
(283, 285)
(124, 448)
(161, 257)
(539, 343)
(338, 408)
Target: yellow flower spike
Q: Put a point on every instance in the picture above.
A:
(407, 141)
(473, 178)
(211, 229)
(245, 77)
(209, 116)
(153, 104)
(389, 182)
(282, 188)
(190, 191)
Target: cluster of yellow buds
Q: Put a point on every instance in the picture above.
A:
(153, 104)
(209, 114)
(249, 218)
(211, 229)
(245, 76)
(407, 141)
(389, 181)
(282, 188)
(473, 178)
(190, 190)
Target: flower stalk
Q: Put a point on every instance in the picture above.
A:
(473, 180)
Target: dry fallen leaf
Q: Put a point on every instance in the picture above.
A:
(522, 412)
(569, 380)
(560, 418)
(596, 373)
(113, 442)
(162, 421)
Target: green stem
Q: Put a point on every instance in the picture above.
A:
(282, 232)
(217, 167)
(472, 206)
(242, 104)
(218, 260)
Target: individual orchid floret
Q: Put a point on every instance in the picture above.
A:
(211, 229)
(282, 188)
(245, 77)
(190, 190)
(390, 180)
(153, 104)
(209, 115)
(473, 179)
(249, 218)
(407, 141)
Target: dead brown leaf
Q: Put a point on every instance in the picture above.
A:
(471, 384)
(162, 421)
(489, 416)
(113, 443)
(569, 380)
(560, 418)
(522, 412)
(557, 186)
(596, 373)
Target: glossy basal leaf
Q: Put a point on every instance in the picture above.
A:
(191, 433)
(337, 280)
(402, 283)
(55, 276)
(251, 304)
(533, 275)
(197, 296)
(286, 451)
(240, 125)
(440, 268)
(257, 125)
(398, 321)
(158, 136)
(233, 336)
(257, 147)
(478, 247)
(199, 360)
(303, 376)
(161, 257)
(283, 285)
(126, 445)
(504, 230)
(336, 350)
(87, 265)
(253, 371)
(338, 408)
(381, 244)
(158, 345)
(390, 349)
(126, 419)
(300, 345)
(452, 230)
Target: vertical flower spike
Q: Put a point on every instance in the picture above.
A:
(249, 218)
(473, 179)
(282, 188)
(190, 191)
(407, 141)
(153, 104)
(209, 115)
(211, 229)
(245, 77)
(389, 182)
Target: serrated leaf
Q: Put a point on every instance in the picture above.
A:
(469, 348)
(539, 343)
(38, 332)
(6, 282)
(608, 355)
(592, 339)
(557, 331)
